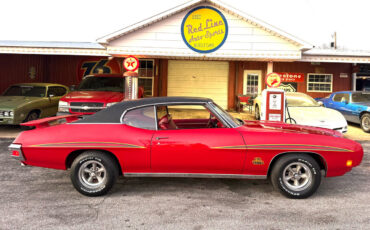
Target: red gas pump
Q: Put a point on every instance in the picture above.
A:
(273, 100)
(273, 105)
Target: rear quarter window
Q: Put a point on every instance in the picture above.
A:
(143, 118)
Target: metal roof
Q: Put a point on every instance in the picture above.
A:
(337, 52)
(52, 48)
(52, 44)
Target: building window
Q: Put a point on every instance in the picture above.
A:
(252, 84)
(146, 76)
(319, 82)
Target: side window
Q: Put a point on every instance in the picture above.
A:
(338, 97)
(52, 91)
(60, 91)
(143, 118)
(186, 117)
(341, 97)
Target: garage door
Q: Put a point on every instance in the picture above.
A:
(199, 79)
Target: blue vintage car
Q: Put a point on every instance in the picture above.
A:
(355, 106)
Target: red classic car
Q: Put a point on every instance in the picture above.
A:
(184, 137)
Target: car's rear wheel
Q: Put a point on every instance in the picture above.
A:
(257, 113)
(94, 173)
(365, 122)
(296, 176)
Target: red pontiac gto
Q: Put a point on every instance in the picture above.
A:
(184, 137)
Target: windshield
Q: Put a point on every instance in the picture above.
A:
(360, 97)
(114, 84)
(226, 115)
(301, 100)
(26, 91)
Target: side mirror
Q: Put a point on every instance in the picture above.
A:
(320, 103)
(51, 95)
(72, 88)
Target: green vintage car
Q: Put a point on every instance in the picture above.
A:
(29, 101)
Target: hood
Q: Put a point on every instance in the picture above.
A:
(274, 126)
(97, 96)
(12, 102)
(318, 117)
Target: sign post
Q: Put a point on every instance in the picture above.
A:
(131, 64)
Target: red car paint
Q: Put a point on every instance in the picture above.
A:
(248, 149)
(103, 97)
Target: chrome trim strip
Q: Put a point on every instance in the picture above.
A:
(82, 107)
(196, 175)
(18, 148)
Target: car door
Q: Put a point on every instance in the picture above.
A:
(197, 150)
(54, 93)
(338, 103)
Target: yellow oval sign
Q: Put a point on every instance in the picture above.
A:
(204, 29)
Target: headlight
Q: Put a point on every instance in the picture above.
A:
(110, 104)
(6, 113)
(63, 106)
(63, 103)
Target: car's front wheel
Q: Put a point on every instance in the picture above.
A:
(296, 176)
(94, 173)
(365, 122)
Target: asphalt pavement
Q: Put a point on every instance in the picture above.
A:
(38, 198)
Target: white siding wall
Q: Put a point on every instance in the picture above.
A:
(199, 79)
(244, 40)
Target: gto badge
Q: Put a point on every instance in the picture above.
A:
(258, 161)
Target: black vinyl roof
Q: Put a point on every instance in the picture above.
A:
(113, 114)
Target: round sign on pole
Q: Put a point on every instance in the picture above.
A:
(273, 80)
(131, 63)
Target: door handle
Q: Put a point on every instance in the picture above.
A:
(158, 138)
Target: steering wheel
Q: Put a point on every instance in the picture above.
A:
(212, 122)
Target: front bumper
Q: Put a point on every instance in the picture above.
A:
(7, 121)
(16, 152)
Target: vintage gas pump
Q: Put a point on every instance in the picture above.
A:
(131, 64)
(273, 100)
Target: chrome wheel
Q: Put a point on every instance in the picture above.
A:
(297, 176)
(92, 174)
(365, 122)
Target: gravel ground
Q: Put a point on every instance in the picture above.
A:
(37, 198)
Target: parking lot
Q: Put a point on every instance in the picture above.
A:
(34, 198)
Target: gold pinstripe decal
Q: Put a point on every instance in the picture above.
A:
(89, 144)
(285, 146)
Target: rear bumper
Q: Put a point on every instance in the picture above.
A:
(16, 152)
